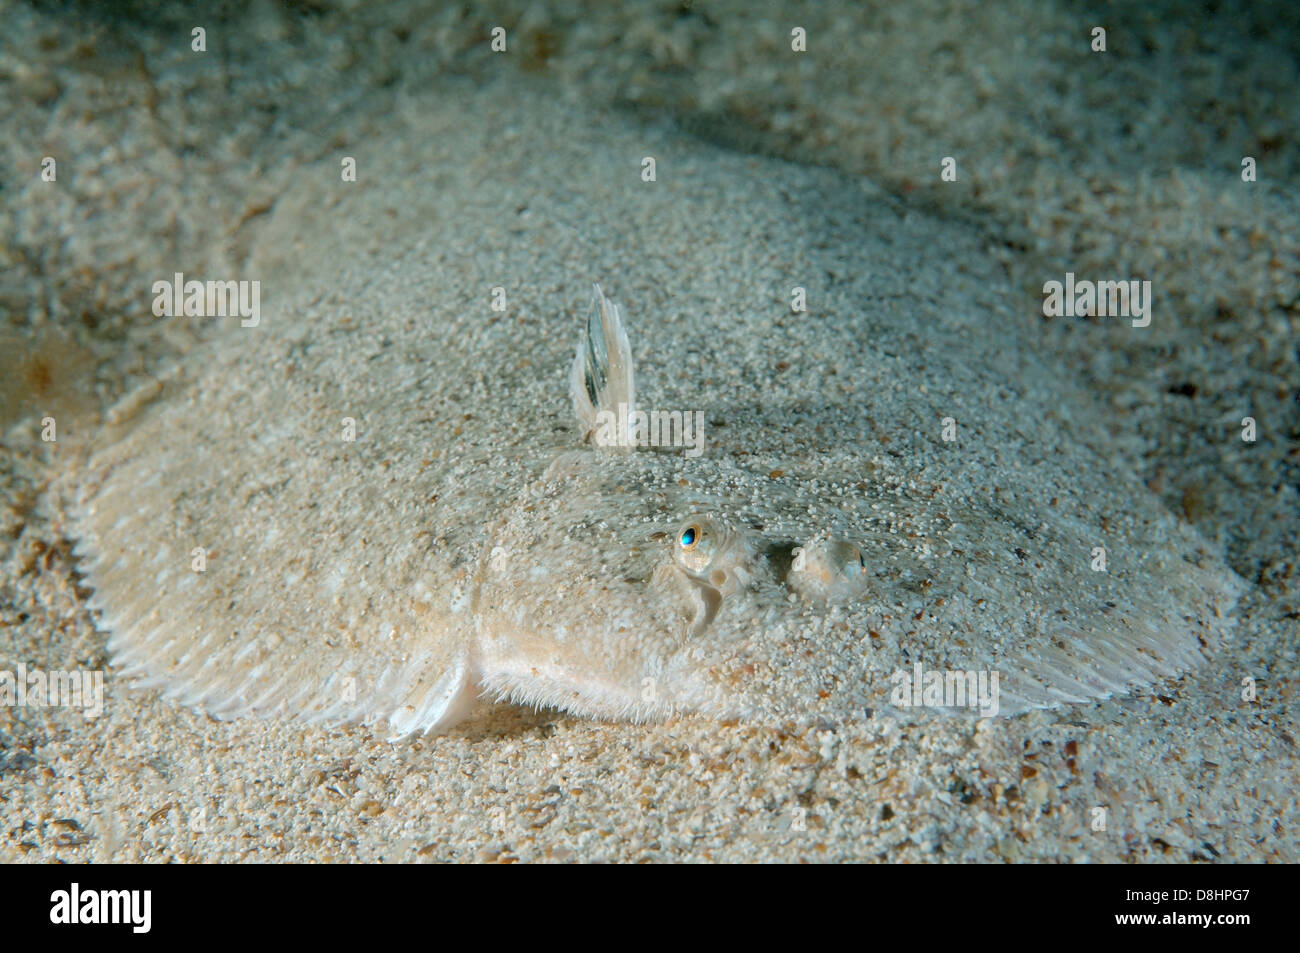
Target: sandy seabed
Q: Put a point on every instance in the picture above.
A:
(1127, 165)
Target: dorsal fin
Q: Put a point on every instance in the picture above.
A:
(601, 377)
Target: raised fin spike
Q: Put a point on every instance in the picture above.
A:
(601, 378)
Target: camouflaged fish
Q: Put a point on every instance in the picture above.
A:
(384, 505)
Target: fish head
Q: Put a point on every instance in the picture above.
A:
(636, 583)
(623, 585)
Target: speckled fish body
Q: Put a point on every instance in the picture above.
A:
(476, 542)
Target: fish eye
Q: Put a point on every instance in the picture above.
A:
(700, 542)
(833, 571)
(845, 559)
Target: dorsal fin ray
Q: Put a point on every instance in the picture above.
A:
(601, 379)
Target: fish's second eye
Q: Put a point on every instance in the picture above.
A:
(829, 571)
(843, 559)
(688, 537)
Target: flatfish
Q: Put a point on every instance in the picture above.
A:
(797, 457)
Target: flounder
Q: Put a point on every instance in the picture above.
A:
(389, 501)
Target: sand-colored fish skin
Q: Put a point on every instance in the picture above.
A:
(473, 538)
